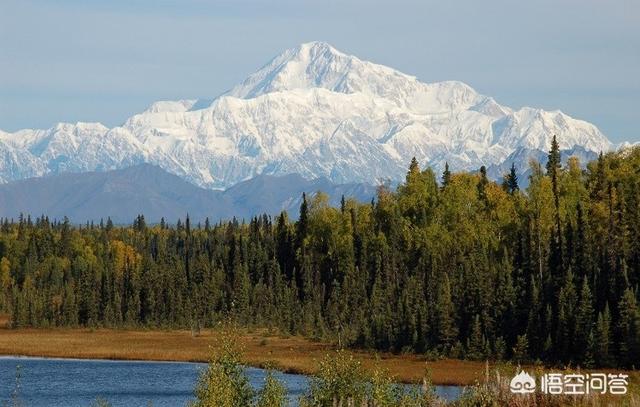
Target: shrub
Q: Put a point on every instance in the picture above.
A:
(340, 381)
(273, 394)
(224, 383)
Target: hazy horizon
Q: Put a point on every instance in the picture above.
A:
(89, 61)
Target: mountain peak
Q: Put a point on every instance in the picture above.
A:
(315, 47)
(312, 110)
(171, 106)
(319, 65)
(309, 65)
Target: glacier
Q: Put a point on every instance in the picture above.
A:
(313, 111)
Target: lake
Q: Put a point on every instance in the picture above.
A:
(74, 382)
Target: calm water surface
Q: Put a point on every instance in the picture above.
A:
(73, 382)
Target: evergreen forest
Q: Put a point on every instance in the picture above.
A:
(449, 264)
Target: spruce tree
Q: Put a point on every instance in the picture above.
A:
(446, 175)
(482, 184)
(629, 330)
(584, 322)
(445, 326)
(555, 256)
(535, 326)
(553, 158)
(602, 353)
(521, 349)
(566, 323)
(599, 181)
(414, 169)
(303, 221)
(588, 360)
(512, 180)
(5, 284)
(475, 345)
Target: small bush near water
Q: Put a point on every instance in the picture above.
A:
(224, 383)
(341, 381)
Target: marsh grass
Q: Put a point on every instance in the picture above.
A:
(293, 354)
(494, 391)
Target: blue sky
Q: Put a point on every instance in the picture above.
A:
(91, 60)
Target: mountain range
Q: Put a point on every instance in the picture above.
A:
(149, 190)
(312, 111)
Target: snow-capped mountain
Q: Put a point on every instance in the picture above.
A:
(314, 111)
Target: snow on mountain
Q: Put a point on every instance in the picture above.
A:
(314, 111)
(171, 106)
(626, 145)
(319, 65)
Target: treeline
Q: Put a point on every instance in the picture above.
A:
(450, 264)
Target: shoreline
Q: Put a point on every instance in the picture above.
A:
(287, 354)
(261, 349)
(27, 357)
(75, 359)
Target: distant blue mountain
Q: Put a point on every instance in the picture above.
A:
(522, 158)
(149, 190)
